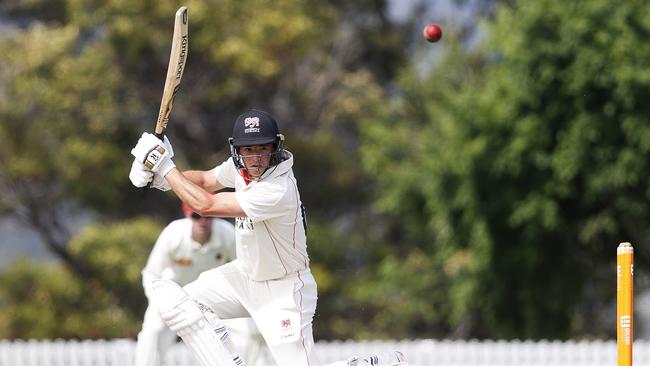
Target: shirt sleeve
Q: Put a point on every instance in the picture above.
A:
(262, 202)
(160, 258)
(226, 173)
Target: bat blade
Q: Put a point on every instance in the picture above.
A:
(177, 60)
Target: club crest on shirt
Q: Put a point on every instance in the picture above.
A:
(244, 223)
(286, 331)
(182, 261)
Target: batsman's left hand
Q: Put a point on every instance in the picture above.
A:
(139, 175)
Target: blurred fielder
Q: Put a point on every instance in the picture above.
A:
(184, 249)
(270, 280)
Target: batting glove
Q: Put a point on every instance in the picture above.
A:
(154, 154)
(140, 176)
(159, 182)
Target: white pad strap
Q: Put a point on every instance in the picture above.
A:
(184, 316)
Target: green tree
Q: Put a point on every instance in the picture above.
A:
(519, 168)
(48, 301)
(45, 301)
(83, 78)
(64, 129)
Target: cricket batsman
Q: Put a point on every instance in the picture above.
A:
(270, 280)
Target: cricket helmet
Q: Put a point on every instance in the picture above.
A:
(255, 127)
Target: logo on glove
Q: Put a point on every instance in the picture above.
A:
(154, 156)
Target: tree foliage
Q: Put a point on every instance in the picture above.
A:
(480, 197)
(521, 167)
(45, 301)
(83, 79)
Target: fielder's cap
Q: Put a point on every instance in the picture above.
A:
(254, 127)
(187, 210)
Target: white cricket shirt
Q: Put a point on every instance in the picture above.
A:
(177, 257)
(271, 240)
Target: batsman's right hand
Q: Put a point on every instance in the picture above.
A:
(159, 182)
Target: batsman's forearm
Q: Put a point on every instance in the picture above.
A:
(195, 177)
(203, 179)
(189, 190)
(222, 204)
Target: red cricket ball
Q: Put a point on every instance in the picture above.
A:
(432, 32)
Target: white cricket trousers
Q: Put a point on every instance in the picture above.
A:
(283, 309)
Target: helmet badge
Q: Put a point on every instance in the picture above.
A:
(252, 124)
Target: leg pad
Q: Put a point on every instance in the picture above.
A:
(184, 316)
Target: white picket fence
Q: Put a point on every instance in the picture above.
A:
(120, 352)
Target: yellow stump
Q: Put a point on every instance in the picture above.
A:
(624, 302)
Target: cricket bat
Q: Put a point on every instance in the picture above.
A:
(177, 60)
